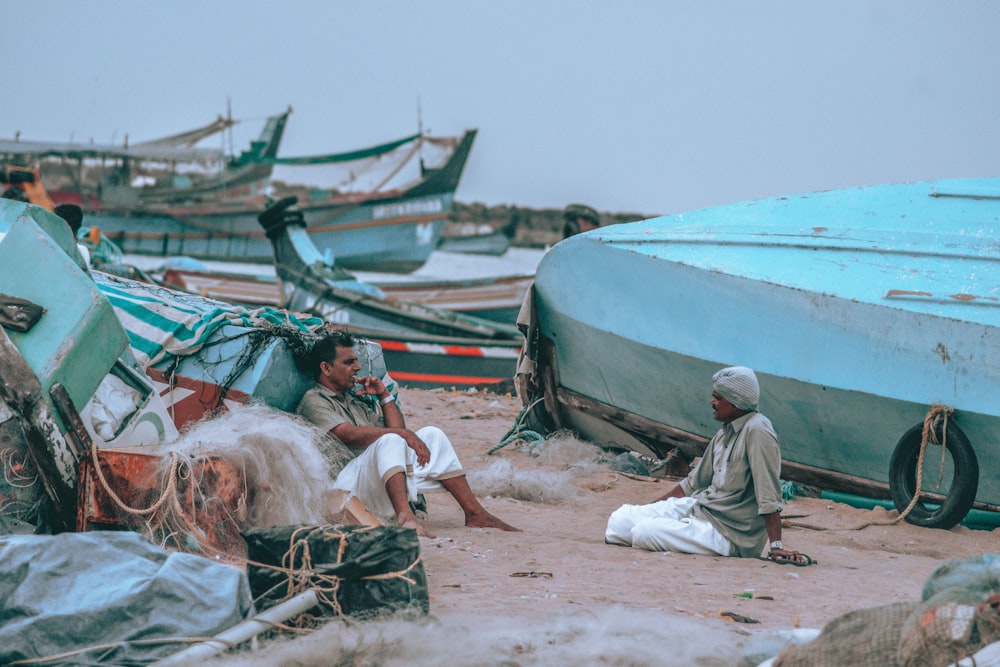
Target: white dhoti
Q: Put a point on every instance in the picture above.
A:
(666, 525)
(365, 475)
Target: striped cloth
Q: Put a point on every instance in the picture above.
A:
(162, 322)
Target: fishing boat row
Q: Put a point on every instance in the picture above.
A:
(871, 316)
(383, 207)
(496, 298)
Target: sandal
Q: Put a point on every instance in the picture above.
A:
(791, 558)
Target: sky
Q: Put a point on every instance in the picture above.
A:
(650, 107)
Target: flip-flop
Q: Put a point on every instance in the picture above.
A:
(795, 558)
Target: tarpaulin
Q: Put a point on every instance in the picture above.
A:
(113, 590)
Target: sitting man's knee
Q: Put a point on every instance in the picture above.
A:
(432, 432)
(390, 442)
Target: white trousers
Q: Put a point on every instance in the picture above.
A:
(365, 475)
(666, 525)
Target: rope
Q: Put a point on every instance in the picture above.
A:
(297, 565)
(936, 416)
(169, 491)
(519, 431)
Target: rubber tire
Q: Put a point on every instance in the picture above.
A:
(964, 483)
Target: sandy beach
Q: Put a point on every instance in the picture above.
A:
(556, 592)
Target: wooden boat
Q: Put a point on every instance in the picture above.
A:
(495, 299)
(98, 375)
(423, 346)
(477, 239)
(385, 215)
(860, 310)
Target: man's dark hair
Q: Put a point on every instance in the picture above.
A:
(325, 349)
(72, 214)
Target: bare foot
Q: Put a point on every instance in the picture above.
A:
(487, 520)
(411, 522)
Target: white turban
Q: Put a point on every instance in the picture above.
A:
(738, 385)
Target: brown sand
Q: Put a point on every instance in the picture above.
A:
(556, 594)
(489, 571)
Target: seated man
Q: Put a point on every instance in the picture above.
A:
(730, 504)
(392, 463)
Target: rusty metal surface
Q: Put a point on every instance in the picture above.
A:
(201, 514)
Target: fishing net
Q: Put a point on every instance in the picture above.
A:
(286, 463)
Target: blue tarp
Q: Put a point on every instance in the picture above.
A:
(115, 590)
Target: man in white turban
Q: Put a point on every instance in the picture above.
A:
(730, 504)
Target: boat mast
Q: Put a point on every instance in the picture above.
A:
(420, 136)
(227, 136)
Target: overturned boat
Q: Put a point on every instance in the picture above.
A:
(863, 311)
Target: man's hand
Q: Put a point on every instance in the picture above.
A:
(419, 447)
(372, 385)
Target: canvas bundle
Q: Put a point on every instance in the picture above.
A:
(861, 638)
(947, 628)
(357, 571)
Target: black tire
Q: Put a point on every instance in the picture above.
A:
(964, 483)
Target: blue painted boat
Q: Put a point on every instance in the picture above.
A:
(389, 222)
(859, 310)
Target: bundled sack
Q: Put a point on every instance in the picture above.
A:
(358, 571)
(959, 613)
(860, 638)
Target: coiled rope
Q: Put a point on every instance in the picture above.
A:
(302, 574)
(519, 430)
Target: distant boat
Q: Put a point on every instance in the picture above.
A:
(859, 309)
(477, 239)
(385, 214)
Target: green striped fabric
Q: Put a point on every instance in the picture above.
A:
(162, 322)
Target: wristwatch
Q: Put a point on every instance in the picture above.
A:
(777, 545)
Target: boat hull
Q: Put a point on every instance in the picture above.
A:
(390, 231)
(392, 236)
(449, 363)
(852, 344)
(493, 299)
